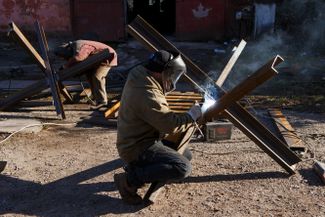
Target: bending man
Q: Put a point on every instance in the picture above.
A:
(77, 51)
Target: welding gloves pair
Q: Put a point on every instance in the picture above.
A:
(195, 111)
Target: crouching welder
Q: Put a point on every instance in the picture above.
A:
(143, 121)
(79, 50)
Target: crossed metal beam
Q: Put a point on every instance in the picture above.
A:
(52, 79)
(227, 104)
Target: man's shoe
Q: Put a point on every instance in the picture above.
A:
(127, 192)
(98, 106)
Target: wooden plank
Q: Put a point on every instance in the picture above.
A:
(112, 110)
(225, 72)
(184, 97)
(188, 93)
(15, 32)
(85, 92)
(180, 103)
(287, 132)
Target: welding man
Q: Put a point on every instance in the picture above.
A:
(143, 121)
(79, 50)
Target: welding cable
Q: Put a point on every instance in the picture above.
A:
(198, 128)
(83, 88)
(34, 125)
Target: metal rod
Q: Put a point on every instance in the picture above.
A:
(225, 72)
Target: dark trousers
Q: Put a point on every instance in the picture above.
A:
(159, 163)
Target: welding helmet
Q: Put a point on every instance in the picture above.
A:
(65, 50)
(170, 65)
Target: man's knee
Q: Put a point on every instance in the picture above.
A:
(183, 169)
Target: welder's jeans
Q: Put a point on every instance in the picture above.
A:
(97, 81)
(159, 163)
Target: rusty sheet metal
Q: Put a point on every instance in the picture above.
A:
(240, 117)
(42, 84)
(287, 132)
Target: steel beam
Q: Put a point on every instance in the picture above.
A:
(50, 73)
(242, 89)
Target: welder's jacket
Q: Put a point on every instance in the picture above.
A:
(144, 115)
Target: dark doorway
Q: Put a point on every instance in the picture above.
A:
(159, 13)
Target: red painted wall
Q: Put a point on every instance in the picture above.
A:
(103, 18)
(200, 20)
(54, 15)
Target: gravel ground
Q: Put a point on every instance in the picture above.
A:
(68, 171)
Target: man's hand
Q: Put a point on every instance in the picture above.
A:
(195, 111)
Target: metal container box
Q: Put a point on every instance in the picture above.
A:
(215, 131)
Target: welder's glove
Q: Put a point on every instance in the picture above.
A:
(195, 111)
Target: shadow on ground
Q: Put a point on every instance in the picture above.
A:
(63, 197)
(70, 198)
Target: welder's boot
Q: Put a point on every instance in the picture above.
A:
(127, 192)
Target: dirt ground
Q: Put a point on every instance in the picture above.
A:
(67, 170)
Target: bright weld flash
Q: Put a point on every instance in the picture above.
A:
(208, 102)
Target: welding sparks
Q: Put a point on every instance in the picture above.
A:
(208, 102)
